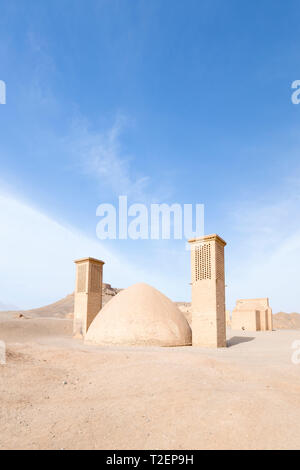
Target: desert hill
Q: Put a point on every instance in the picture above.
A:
(63, 308)
(290, 321)
(7, 307)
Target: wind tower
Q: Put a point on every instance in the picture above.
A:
(208, 291)
(88, 294)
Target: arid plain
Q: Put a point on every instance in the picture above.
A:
(57, 393)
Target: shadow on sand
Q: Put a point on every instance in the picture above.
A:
(238, 339)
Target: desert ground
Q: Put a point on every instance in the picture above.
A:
(57, 393)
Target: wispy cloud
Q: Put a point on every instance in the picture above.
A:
(101, 156)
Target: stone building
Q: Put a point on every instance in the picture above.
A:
(252, 315)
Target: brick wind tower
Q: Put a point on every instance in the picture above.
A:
(88, 294)
(208, 291)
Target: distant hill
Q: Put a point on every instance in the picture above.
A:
(4, 306)
(287, 321)
(64, 308)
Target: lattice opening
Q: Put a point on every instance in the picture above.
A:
(203, 262)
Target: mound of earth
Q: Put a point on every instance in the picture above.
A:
(286, 321)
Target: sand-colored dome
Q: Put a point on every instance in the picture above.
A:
(139, 316)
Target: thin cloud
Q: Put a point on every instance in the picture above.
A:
(102, 158)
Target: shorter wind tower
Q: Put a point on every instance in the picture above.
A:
(88, 293)
(208, 291)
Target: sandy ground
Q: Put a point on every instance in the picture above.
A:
(56, 393)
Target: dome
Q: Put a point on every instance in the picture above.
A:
(140, 316)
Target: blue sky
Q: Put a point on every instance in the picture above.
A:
(166, 101)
